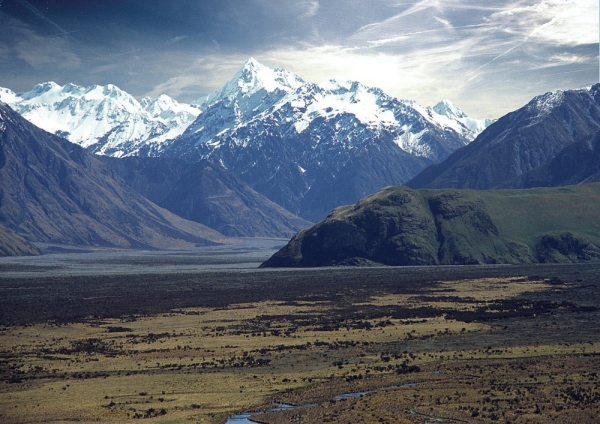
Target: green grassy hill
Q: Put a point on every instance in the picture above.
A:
(400, 226)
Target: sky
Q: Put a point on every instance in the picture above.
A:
(487, 56)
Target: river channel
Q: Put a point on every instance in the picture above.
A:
(244, 418)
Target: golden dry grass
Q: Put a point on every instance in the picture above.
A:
(204, 364)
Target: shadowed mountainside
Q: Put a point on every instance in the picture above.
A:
(576, 164)
(12, 244)
(400, 226)
(519, 142)
(56, 192)
(206, 193)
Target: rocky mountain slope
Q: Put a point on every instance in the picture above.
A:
(298, 142)
(519, 142)
(578, 163)
(54, 191)
(400, 226)
(12, 244)
(103, 119)
(208, 194)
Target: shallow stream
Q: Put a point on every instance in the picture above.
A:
(244, 418)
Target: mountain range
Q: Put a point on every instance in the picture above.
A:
(307, 147)
(103, 119)
(552, 127)
(552, 141)
(312, 147)
(265, 155)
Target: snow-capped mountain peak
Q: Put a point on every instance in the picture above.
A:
(254, 78)
(455, 118)
(7, 96)
(40, 90)
(257, 93)
(253, 90)
(334, 98)
(545, 103)
(166, 107)
(446, 108)
(105, 119)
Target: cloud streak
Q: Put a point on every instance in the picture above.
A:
(40, 15)
(488, 57)
(39, 52)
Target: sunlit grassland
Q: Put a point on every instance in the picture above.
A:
(204, 364)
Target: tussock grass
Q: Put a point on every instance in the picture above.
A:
(518, 337)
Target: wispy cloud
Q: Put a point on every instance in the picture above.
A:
(433, 49)
(488, 56)
(176, 39)
(40, 15)
(563, 59)
(37, 51)
(567, 22)
(200, 77)
(312, 8)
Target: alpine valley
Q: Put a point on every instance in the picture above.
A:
(270, 152)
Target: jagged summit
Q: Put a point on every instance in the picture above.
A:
(255, 75)
(447, 108)
(167, 108)
(546, 103)
(295, 141)
(253, 90)
(254, 78)
(462, 123)
(39, 89)
(103, 119)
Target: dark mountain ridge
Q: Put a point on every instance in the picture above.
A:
(54, 191)
(578, 163)
(206, 193)
(519, 142)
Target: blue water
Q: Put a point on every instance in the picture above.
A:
(245, 417)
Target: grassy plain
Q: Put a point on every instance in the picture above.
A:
(459, 344)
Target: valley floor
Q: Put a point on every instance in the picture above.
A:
(188, 337)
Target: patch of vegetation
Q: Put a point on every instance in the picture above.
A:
(453, 343)
(400, 226)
